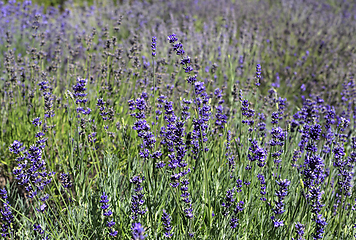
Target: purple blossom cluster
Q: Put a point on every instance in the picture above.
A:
(31, 171)
(256, 153)
(166, 219)
(278, 209)
(143, 129)
(173, 139)
(80, 96)
(45, 88)
(200, 122)
(137, 199)
(232, 208)
(107, 213)
(153, 46)
(263, 184)
(6, 215)
(247, 112)
(229, 155)
(138, 231)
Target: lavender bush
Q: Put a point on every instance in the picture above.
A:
(184, 120)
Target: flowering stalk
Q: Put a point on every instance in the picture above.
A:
(279, 204)
(6, 215)
(258, 74)
(107, 213)
(137, 200)
(230, 206)
(31, 171)
(166, 219)
(138, 231)
(153, 47)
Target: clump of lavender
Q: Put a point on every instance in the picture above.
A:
(166, 219)
(234, 220)
(278, 136)
(6, 215)
(200, 122)
(103, 113)
(16, 147)
(185, 109)
(173, 135)
(296, 156)
(185, 61)
(221, 118)
(261, 125)
(107, 213)
(201, 100)
(31, 170)
(314, 175)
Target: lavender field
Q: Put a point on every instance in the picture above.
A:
(193, 119)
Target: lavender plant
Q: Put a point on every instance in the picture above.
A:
(239, 125)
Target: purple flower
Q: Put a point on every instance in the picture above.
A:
(113, 232)
(138, 231)
(257, 153)
(166, 219)
(16, 147)
(221, 118)
(299, 229)
(37, 122)
(64, 177)
(188, 69)
(104, 200)
(137, 199)
(275, 118)
(153, 46)
(319, 228)
(263, 186)
(6, 216)
(192, 79)
(278, 223)
(229, 200)
(31, 170)
(107, 212)
(172, 38)
(315, 132)
(281, 193)
(38, 228)
(185, 61)
(258, 74)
